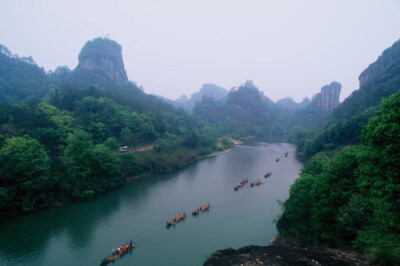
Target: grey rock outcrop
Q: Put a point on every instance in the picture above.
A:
(285, 252)
(103, 57)
(328, 98)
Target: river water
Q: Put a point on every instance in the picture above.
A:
(85, 232)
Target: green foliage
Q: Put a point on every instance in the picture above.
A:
(23, 166)
(20, 78)
(296, 219)
(317, 164)
(385, 254)
(337, 133)
(63, 146)
(353, 199)
(111, 143)
(22, 159)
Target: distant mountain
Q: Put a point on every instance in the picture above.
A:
(247, 105)
(246, 111)
(290, 104)
(207, 90)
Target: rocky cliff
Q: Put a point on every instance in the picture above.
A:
(285, 251)
(328, 98)
(386, 65)
(102, 58)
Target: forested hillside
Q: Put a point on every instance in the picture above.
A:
(20, 78)
(348, 192)
(246, 112)
(381, 79)
(62, 142)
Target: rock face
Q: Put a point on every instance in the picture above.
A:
(102, 57)
(328, 98)
(285, 251)
(386, 66)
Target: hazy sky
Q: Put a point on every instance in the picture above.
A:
(171, 47)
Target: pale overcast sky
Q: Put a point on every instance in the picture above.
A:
(171, 47)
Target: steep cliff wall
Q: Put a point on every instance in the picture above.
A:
(328, 98)
(386, 65)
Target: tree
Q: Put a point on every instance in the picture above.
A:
(77, 156)
(23, 162)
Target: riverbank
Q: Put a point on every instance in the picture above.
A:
(214, 154)
(130, 179)
(285, 251)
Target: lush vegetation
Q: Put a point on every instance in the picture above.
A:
(352, 199)
(60, 141)
(20, 78)
(66, 147)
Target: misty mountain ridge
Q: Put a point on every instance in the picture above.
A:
(208, 90)
(101, 64)
(290, 104)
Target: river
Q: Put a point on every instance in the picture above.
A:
(83, 233)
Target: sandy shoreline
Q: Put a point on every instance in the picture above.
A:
(214, 154)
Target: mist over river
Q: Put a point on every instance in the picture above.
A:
(83, 233)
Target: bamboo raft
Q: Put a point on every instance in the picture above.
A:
(115, 256)
(241, 184)
(268, 174)
(178, 218)
(257, 183)
(202, 208)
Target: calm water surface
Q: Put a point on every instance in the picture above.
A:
(84, 233)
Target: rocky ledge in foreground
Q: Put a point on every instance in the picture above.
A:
(285, 251)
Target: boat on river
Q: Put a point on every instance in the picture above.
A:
(256, 183)
(124, 249)
(202, 208)
(241, 184)
(177, 218)
(286, 154)
(277, 159)
(268, 174)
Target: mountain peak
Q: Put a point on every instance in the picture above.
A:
(102, 57)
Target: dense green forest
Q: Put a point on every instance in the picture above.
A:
(60, 141)
(348, 193)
